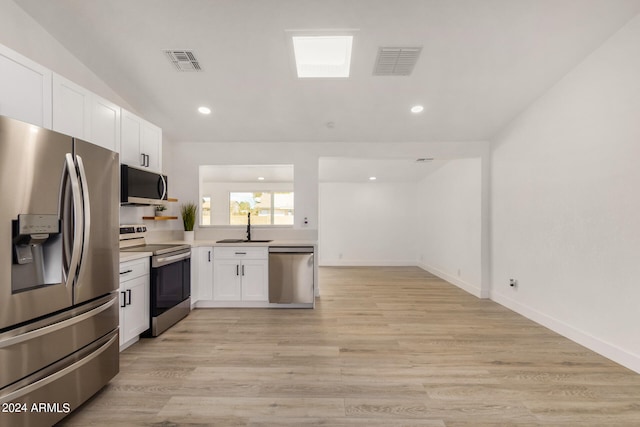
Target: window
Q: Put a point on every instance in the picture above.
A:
(266, 207)
(205, 208)
(228, 193)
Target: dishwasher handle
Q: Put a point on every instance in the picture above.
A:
(291, 249)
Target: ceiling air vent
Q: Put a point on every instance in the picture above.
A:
(396, 61)
(183, 60)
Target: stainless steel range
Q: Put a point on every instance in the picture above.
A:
(170, 277)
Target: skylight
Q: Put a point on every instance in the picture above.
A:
(322, 56)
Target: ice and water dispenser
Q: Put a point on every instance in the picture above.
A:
(37, 252)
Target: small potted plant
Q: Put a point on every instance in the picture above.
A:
(188, 212)
(160, 210)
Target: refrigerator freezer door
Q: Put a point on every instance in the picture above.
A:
(32, 165)
(98, 273)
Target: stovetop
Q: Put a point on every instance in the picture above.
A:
(157, 249)
(133, 239)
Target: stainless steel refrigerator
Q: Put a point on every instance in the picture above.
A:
(58, 272)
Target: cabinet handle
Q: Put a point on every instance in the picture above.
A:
(129, 294)
(209, 256)
(125, 272)
(124, 299)
(243, 269)
(141, 159)
(237, 270)
(147, 165)
(241, 253)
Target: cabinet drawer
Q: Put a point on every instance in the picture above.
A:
(240, 252)
(132, 269)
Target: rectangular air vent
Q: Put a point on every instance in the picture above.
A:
(396, 61)
(183, 60)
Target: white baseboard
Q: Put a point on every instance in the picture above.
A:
(468, 287)
(608, 350)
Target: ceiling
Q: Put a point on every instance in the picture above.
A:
(349, 169)
(246, 173)
(482, 62)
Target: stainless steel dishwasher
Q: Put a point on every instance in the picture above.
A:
(291, 275)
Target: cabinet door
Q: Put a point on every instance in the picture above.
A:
(131, 133)
(136, 311)
(71, 108)
(105, 124)
(25, 89)
(226, 280)
(121, 301)
(151, 146)
(255, 280)
(205, 274)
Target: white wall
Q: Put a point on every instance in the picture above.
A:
(566, 204)
(184, 181)
(186, 157)
(371, 223)
(450, 220)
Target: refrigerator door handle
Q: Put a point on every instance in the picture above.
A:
(86, 205)
(77, 220)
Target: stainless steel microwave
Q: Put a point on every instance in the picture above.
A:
(142, 187)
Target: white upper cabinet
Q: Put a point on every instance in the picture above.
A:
(105, 123)
(141, 143)
(25, 89)
(80, 113)
(71, 108)
(33, 94)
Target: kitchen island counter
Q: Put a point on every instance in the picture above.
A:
(201, 243)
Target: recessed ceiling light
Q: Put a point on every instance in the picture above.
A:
(261, 178)
(204, 110)
(372, 178)
(322, 56)
(417, 109)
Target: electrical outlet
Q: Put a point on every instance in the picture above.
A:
(513, 283)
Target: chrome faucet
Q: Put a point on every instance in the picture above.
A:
(249, 226)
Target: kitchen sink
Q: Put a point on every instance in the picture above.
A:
(243, 241)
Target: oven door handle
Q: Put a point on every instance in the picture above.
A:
(160, 261)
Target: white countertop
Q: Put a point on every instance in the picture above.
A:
(199, 243)
(130, 256)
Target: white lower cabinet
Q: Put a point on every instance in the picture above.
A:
(241, 274)
(134, 300)
(201, 274)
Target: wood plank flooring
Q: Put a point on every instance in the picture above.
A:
(384, 347)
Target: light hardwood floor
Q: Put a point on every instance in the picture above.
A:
(384, 347)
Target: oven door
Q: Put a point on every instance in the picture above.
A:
(170, 281)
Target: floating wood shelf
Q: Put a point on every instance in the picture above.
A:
(159, 218)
